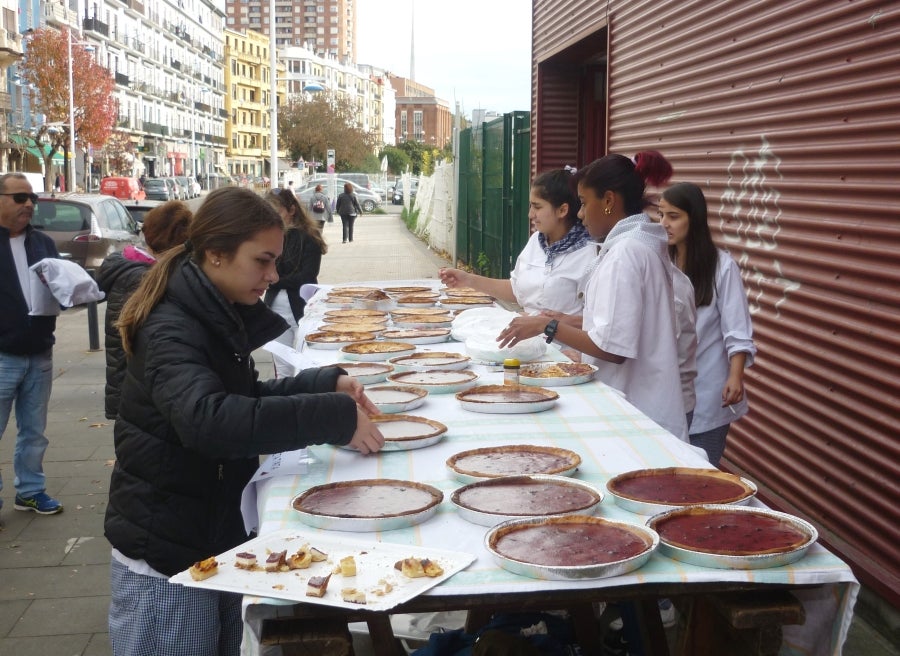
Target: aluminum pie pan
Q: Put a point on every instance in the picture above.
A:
(571, 461)
(399, 313)
(417, 336)
(526, 376)
(372, 351)
(571, 572)
(422, 321)
(436, 381)
(728, 561)
(391, 399)
(488, 518)
(381, 304)
(355, 315)
(431, 360)
(409, 289)
(408, 443)
(367, 373)
(645, 507)
(374, 328)
(507, 399)
(370, 523)
(335, 341)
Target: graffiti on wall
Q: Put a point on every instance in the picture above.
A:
(750, 220)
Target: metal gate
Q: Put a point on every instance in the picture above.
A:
(494, 179)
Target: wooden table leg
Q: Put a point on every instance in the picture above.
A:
(382, 635)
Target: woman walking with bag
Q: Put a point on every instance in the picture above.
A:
(347, 207)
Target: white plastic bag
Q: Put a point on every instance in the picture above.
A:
(69, 283)
(479, 328)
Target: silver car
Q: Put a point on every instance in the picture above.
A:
(368, 199)
(86, 227)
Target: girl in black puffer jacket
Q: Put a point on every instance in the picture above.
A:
(194, 418)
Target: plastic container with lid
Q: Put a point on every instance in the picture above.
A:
(510, 371)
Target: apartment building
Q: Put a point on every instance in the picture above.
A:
(420, 115)
(166, 57)
(10, 53)
(325, 27)
(248, 82)
(367, 87)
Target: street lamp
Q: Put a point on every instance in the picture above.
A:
(70, 161)
(194, 137)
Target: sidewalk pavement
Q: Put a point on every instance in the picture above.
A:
(54, 570)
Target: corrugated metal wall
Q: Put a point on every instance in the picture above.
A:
(787, 113)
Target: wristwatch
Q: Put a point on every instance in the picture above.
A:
(550, 330)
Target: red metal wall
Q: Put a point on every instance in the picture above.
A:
(787, 113)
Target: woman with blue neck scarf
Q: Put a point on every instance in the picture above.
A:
(553, 262)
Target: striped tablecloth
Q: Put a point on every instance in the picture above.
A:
(611, 436)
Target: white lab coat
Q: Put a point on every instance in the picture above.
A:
(538, 286)
(723, 329)
(629, 311)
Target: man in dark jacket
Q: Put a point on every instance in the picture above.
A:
(26, 343)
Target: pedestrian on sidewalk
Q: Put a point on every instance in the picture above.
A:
(26, 343)
(194, 419)
(121, 273)
(320, 207)
(347, 207)
(298, 265)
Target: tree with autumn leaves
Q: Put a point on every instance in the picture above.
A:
(46, 69)
(309, 127)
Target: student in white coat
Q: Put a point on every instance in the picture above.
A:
(553, 262)
(724, 330)
(628, 327)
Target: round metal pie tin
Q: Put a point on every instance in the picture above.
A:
(731, 561)
(596, 570)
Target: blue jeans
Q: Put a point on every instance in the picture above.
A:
(26, 379)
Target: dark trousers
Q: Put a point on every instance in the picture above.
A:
(347, 221)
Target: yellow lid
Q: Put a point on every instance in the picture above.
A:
(510, 362)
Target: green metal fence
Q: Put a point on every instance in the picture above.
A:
(494, 179)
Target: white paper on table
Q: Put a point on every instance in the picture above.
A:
(291, 356)
(287, 463)
(308, 290)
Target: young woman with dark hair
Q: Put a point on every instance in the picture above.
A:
(299, 265)
(628, 327)
(553, 262)
(347, 207)
(194, 419)
(724, 329)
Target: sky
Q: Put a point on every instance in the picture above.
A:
(476, 52)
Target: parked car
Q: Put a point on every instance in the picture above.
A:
(122, 188)
(86, 227)
(360, 179)
(187, 189)
(139, 208)
(368, 200)
(397, 194)
(158, 189)
(174, 188)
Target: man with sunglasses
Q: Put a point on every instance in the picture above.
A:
(26, 343)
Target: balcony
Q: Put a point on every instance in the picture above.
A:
(176, 64)
(224, 113)
(136, 5)
(58, 15)
(156, 128)
(10, 47)
(95, 25)
(122, 79)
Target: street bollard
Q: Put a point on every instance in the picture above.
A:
(93, 326)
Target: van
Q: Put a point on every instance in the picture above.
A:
(122, 188)
(36, 180)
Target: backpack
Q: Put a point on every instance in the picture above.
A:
(318, 206)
